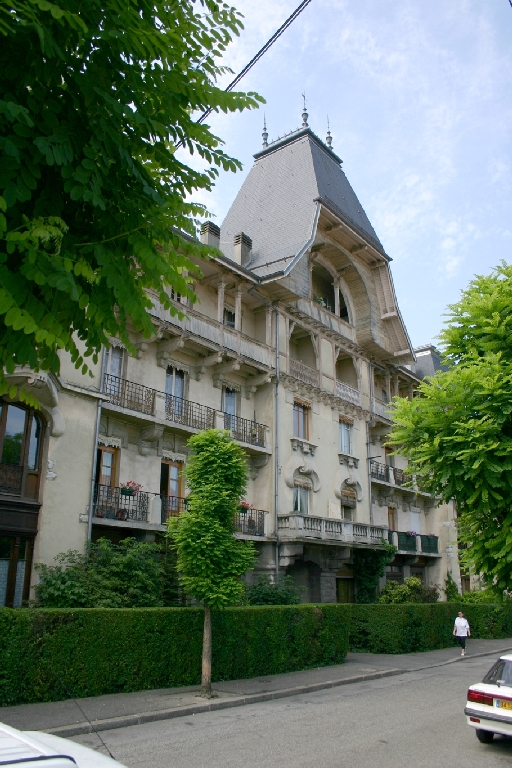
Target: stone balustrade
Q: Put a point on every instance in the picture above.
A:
(294, 527)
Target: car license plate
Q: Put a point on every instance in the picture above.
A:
(503, 704)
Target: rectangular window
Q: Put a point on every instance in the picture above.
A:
(229, 317)
(230, 401)
(115, 362)
(346, 513)
(300, 421)
(106, 467)
(346, 438)
(392, 519)
(300, 499)
(175, 382)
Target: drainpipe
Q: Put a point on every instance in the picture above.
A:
(95, 446)
(276, 445)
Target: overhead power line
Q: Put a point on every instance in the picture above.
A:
(258, 56)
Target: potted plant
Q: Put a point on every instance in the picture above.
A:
(130, 488)
(245, 506)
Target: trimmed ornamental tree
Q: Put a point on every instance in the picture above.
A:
(457, 434)
(210, 561)
(94, 198)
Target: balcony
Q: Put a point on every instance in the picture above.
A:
(137, 397)
(380, 471)
(112, 503)
(211, 331)
(406, 542)
(399, 476)
(430, 545)
(347, 393)
(410, 543)
(172, 506)
(297, 527)
(381, 408)
(190, 414)
(322, 315)
(126, 394)
(250, 522)
(245, 430)
(11, 477)
(304, 373)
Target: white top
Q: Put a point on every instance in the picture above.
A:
(461, 627)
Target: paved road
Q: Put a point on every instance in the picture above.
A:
(414, 719)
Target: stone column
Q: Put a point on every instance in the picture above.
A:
(238, 309)
(220, 302)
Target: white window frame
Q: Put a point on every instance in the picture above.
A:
(346, 437)
(301, 499)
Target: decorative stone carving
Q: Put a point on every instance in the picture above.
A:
(220, 381)
(152, 434)
(110, 442)
(167, 347)
(50, 474)
(348, 478)
(301, 465)
(256, 463)
(303, 445)
(254, 382)
(116, 343)
(173, 456)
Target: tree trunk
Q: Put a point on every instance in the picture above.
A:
(206, 672)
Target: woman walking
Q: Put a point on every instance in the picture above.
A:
(461, 631)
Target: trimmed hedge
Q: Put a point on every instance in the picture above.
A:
(52, 654)
(412, 627)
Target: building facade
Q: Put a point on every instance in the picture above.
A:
(296, 346)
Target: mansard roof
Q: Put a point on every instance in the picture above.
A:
(277, 205)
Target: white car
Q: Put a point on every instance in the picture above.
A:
(489, 705)
(47, 751)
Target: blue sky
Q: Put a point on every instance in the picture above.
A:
(419, 98)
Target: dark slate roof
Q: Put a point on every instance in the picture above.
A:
(277, 203)
(428, 361)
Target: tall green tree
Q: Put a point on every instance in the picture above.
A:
(210, 561)
(94, 97)
(457, 434)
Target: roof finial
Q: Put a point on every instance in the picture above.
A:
(328, 140)
(264, 135)
(304, 114)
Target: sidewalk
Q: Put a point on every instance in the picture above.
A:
(119, 710)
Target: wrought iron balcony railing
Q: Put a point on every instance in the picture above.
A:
(172, 506)
(400, 477)
(250, 522)
(379, 471)
(127, 394)
(115, 504)
(11, 477)
(190, 414)
(245, 430)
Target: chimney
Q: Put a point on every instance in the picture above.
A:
(242, 249)
(210, 234)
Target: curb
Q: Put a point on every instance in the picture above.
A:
(195, 709)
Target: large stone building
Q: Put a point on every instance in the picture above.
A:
(296, 346)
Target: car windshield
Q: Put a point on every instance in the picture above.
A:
(501, 673)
